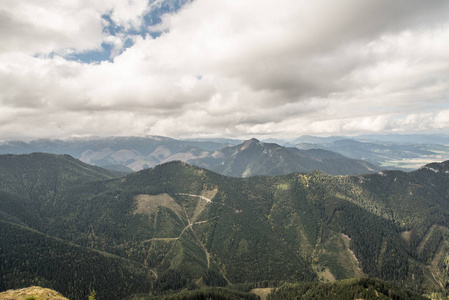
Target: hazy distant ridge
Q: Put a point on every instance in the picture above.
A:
(236, 159)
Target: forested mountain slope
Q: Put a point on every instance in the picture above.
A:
(345, 289)
(32, 258)
(187, 227)
(255, 158)
(31, 185)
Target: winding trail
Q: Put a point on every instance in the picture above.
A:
(209, 201)
(155, 274)
(190, 226)
(197, 196)
(436, 280)
(176, 238)
(199, 241)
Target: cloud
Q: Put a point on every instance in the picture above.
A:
(128, 13)
(234, 68)
(43, 27)
(64, 26)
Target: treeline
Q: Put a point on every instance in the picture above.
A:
(202, 294)
(364, 288)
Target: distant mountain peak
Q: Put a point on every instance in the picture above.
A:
(248, 143)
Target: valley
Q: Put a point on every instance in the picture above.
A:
(401, 152)
(179, 227)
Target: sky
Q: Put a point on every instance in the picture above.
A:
(222, 68)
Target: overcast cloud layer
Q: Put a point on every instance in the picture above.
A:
(279, 68)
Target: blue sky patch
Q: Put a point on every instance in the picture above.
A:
(153, 17)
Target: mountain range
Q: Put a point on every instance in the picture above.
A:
(255, 158)
(248, 158)
(402, 152)
(74, 227)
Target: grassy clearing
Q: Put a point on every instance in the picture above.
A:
(356, 263)
(261, 292)
(209, 194)
(405, 235)
(147, 204)
(32, 293)
(336, 261)
(324, 274)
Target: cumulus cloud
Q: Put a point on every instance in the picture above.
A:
(64, 26)
(233, 68)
